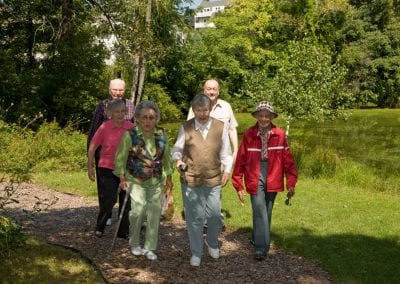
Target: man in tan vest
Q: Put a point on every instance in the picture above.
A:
(201, 150)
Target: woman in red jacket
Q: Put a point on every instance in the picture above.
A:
(264, 159)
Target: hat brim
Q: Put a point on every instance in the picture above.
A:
(275, 115)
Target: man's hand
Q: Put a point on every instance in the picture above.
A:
(241, 196)
(224, 179)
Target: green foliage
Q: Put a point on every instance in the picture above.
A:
(58, 148)
(307, 84)
(47, 69)
(10, 236)
(167, 109)
(50, 148)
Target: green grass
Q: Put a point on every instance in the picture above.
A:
(353, 233)
(71, 182)
(36, 262)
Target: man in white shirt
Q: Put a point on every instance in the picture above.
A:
(220, 110)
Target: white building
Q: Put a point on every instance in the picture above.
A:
(206, 10)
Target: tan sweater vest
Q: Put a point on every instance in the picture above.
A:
(202, 155)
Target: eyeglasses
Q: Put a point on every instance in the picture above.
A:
(145, 117)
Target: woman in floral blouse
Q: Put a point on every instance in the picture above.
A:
(143, 164)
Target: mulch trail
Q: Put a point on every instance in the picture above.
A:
(70, 221)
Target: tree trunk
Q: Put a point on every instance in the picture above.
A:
(140, 63)
(66, 21)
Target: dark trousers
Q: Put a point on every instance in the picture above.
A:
(107, 187)
(96, 161)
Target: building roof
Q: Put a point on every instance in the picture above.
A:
(211, 3)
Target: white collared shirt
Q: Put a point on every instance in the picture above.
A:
(225, 153)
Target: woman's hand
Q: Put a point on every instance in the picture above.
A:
(90, 172)
(290, 193)
(241, 196)
(123, 182)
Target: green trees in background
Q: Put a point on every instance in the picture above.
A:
(301, 55)
(50, 60)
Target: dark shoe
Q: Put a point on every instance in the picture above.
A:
(223, 228)
(205, 230)
(98, 234)
(259, 255)
(123, 236)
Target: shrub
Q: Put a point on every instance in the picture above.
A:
(353, 174)
(168, 110)
(59, 149)
(50, 148)
(321, 163)
(299, 153)
(10, 236)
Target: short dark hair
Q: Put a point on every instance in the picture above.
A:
(114, 104)
(200, 100)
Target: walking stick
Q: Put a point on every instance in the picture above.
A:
(127, 195)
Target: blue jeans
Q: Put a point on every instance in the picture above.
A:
(262, 205)
(196, 200)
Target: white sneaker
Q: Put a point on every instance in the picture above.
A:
(214, 253)
(137, 251)
(195, 261)
(109, 222)
(150, 255)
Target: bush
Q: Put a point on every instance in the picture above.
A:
(299, 154)
(10, 236)
(321, 163)
(59, 149)
(168, 110)
(352, 174)
(50, 148)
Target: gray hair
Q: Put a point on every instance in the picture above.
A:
(147, 105)
(115, 104)
(201, 100)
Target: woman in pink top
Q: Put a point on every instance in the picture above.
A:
(108, 136)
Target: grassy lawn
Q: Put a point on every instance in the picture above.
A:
(36, 262)
(347, 221)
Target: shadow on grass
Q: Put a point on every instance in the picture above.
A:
(350, 258)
